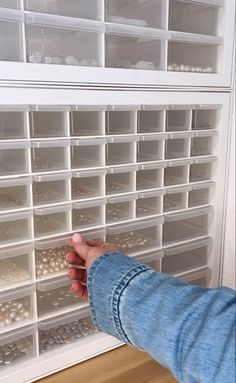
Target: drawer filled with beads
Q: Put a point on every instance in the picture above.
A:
(17, 346)
(15, 193)
(15, 228)
(51, 188)
(49, 156)
(88, 214)
(88, 184)
(16, 306)
(120, 208)
(64, 330)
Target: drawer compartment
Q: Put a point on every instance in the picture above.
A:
(152, 259)
(176, 173)
(150, 148)
(150, 120)
(121, 120)
(187, 225)
(198, 278)
(120, 150)
(51, 189)
(88, 214)
(178, 120)
(120, 180)
(51, 220)
(13, 158)
(149, 203)
(15, 227)
(179, 259)
(150, 176)
(87, 153)
(177, 148)
(176, 199)
(120, 208)
(10, 34)
(64, 330)
(203, 146)
(48, 122)
(87, 121)
(12, 122)
(206, 118)
(88, 184)
(201, 194)
(15, 193)
(49, 156)
(202, 169)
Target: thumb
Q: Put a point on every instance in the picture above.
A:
(80, 246)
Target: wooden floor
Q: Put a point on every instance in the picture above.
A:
(122, 365)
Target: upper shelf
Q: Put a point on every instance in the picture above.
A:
(151, 42)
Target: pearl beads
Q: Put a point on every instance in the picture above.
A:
(189, 68)
(8, 201)
(44, 196)
(14, 311)
(51, 261)
(42, 164)
(13, 351)
(65, 334)
(37, 57)
(55, 299)
(130, 241)
(82, 219)
(11, 273)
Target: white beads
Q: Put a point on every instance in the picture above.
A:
(188, 68)
(130, 241)
(11, 352)
(14, 311)
(11, 273)
(37, 57)
(51, 261)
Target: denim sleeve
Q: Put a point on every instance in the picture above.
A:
(188, 329)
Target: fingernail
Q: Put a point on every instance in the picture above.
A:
(77, 238)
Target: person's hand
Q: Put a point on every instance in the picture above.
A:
(81, 258)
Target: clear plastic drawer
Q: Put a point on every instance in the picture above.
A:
(88, 214)
(202, 169)
(10, 34)
(150, 148)
(120, 179)
(177, 173)
(62, 40)
(120, 208)
(48, 121)
(135, 47)
(12, 122)
(15, 227)
(88, 184)
(150, 176)
(87, 153)
(149, 203)
(55, 295)
(121, 120)
(15, 193)
(13, 158)
(10, 4)
(87, 121)
(74, 8)
(206, 117)
(51, 189)
(152, 259)
(137, 237)
(16, 265)
(187, 225)
(178, 119)
(148, 13)
(198, 278)
(50, 256)
(201, 194)
(179, 259)
(16, 306)
(151, 119)
(49, 156)
(64, 330)
(176, 198)
(17, 346)
(177, 146)
(203, 144)
(120, 150)
(51, 220)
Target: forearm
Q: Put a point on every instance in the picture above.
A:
(176, 323)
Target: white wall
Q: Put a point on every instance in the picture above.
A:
(229, 275)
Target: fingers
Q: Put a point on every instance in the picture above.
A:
(76, 274)
(80, 246)
(79, 290)
(74, 259)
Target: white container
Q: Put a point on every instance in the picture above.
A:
(88, 184)
(51, 189)
(87, 121)
(203, 169)
(50, 256)
(152, 259)
(150, 148)
(203, 144)
(55, 295)
(13, 158)
(150, 176)
(16, 265)
(150, 13)
(201, 194)
(89, 214)
(120, 208)
(198, 278)
(64, 330)
(179, 259)
(48, 121)
(121, 180)
(149, 203)
(135, 47)
(206, 117)
(15, 193)
(22, 346)
(187, 225)
(176, 198)
(49, 156)
(74, 8)
(15, 228)
(63, 40)
(17, 306)
(120, 150)
(87, 153)
(13, 122)
(151, 119)
(178, 119)
(51, 220)
(11, 34)
(177, 172)
(137, 237)
(121, 119)
(177, 145)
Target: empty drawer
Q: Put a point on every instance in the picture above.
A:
(13, 158)
(176, 198)
(10, 35)
(88, 184)
(120, 179)
(187, 225)
(51, 220)
(120, 150)
(51, 189)
(120, 208)
(177, 146)
(13, 122)
(121, 120)
(198, 278)
(178, 120)
(150, 148)
(177, 173)
(203, 169)
(16, 265)
(149, 203)
(150, 120)
(204, 144)
(88, 214)
(15, 193)
(49, 156)
(150, 176)
(48, 122)
(86, 153)
(206, 118)
(65, 329)
(87, 121)
(179, 259)
(201, 194)
(15, 227)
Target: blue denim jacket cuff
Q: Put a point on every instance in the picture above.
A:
(108, 277)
